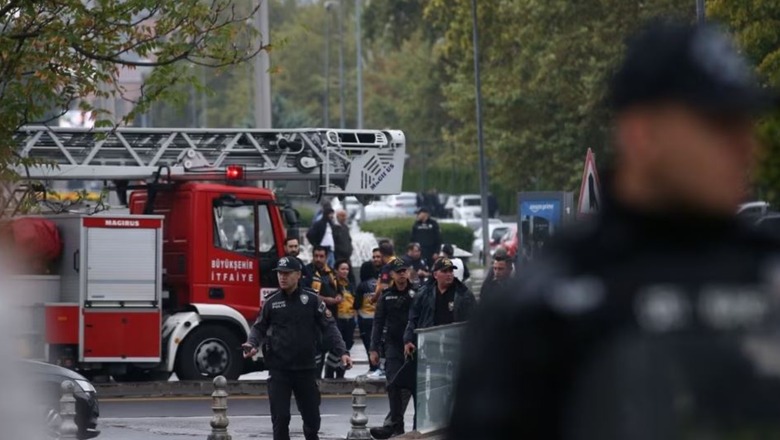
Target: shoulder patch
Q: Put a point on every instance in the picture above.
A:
(322, 307)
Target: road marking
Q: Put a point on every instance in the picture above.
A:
(201, 398)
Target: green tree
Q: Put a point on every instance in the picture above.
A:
(57, 55)
(756, 25)
(544, 64)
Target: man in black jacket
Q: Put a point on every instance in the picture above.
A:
(426, 232)
(645, 307)
(498, 279)
(392, 315)
(288, 329)
(370, 270)
(443, 301)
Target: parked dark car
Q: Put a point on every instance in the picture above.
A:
(50, 377)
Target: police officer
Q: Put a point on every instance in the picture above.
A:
(288, 330)
(390, 318)
(664, 265)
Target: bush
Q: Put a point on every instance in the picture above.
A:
(459, 235)
(305, 216)
(399, 230)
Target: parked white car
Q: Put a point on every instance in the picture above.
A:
(497, 232)
(378, 210)
(406, 202)
(467, 206)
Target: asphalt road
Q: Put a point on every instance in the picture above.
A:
(188, 418)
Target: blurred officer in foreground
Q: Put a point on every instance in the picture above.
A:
(633, 326)
(288, 329)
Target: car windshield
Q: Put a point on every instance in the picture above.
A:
(498, 233)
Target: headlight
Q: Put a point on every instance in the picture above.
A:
(86, 386)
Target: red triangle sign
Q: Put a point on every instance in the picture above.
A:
(590, 190)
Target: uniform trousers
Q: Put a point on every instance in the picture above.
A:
(282, 384)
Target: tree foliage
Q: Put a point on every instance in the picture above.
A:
(544, 68)
(756, 24)
(57, 55)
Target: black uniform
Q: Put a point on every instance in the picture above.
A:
(428, 235)
(601, 314)
(391, 318)
(288, 331)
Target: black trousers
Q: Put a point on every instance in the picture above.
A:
(396, 394)
(281, 385)
(366, 325)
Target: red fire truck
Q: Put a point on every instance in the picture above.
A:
(172, 279)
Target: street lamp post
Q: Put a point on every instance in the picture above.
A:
(341, 64)
(483, 181)
(700, 11)
(359, 50)
(328, 6)
(262, 65)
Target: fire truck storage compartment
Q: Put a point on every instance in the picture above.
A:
(121, 264)
(130, 335)
(108, 260)
(111, 269)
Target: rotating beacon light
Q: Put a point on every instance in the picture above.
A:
(234, 172)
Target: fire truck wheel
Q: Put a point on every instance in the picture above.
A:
(209, 351)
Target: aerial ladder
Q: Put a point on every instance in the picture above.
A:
(334, 162)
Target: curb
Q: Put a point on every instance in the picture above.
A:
(235, 388)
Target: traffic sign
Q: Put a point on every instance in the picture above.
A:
(590, 190)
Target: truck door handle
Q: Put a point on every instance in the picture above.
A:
(76, 258)
(216, 293)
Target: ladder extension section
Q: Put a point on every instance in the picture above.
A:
(344, 162)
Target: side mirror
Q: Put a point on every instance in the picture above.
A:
(290, 216)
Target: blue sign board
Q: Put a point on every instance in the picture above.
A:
(549, 210)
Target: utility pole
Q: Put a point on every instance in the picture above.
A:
(262, 66)
(341, 64)
(328, 7)
(483, 181)
(700, 12)
(359, 44)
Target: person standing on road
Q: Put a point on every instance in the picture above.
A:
(345, 294)
(342, 237)
(366, 310)
(418, 267)
(461, 269)
(321, 234)
(288, 330)
(323, 283)
(385, 274)
(370, 270)
(658, 265)
(426, 232)
(292, 248)
(444, 301)
(501, 274)
(392, 315)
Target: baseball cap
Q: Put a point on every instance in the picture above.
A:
(443, 264)
(696, 65)
(288, 264)
(399, 264)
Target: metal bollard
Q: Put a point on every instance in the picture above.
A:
(219, 422)
(359, 419)
(68, 428)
